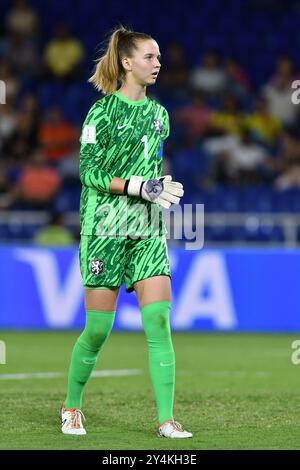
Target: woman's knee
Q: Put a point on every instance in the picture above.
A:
(97, 337)
(98, 326)
(153, 289)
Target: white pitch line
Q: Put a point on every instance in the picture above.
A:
(115, 373)
(239, 374)
(54, 375)
(37, 375)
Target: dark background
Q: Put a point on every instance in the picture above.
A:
(226, 68)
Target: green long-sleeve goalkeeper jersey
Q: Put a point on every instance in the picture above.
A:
(120, 137)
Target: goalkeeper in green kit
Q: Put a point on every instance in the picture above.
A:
(123, 238)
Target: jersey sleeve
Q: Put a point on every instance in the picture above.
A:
(94, 142)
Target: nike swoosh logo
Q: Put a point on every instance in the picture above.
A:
(89, 361)
(121, 127)
(166, 365)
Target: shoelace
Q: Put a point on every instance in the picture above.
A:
(76, 418)
(178, 426)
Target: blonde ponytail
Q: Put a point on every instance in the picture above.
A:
(109, 70)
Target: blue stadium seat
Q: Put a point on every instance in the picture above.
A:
(68, 199)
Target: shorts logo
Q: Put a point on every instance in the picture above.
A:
(157, 126)
(96, 267)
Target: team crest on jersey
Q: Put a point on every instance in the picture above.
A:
(157, 124)
(96, 267)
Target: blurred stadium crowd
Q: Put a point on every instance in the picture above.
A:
(227, 70)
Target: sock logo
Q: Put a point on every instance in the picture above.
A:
(166, 365)
(88, 361)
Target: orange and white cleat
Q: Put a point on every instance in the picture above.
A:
(172, 429)
(71, 421)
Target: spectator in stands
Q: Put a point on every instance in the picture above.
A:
(245, 163)
(12, 82)
(228, 120)
(68, 167)
(210, 76)
(30, 108)
(8, 123)
(22, 20)
(237, 81)
(195, 117)
(264, 126)
(278, 92)
(5, 185)
(289, 179)
(36, 187)
(23, 55)
(55, 233)
(57, 137)
(285, 67)
(21, 142)
(64, 54)
(289, 161)
(174, 75)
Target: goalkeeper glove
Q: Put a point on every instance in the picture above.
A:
(162, 191)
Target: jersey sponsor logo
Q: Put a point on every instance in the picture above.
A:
(96, 267)
(121, 127)
(157, 124)
(89, 134)
(166, 365)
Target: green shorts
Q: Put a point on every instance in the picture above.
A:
(113, 261)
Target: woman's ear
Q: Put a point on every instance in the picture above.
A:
(126, 62)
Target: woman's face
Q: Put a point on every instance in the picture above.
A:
(144, 65)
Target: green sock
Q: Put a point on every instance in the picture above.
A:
(85, 354)
(155, 319)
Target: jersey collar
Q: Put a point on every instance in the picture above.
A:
(131, 102)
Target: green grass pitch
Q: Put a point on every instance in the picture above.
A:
(233, 391)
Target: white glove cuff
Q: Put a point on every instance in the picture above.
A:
(134, 185)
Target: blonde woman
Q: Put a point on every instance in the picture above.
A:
(120, 171)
